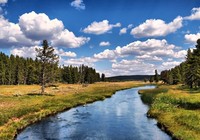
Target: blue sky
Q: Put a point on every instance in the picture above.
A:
(117, 37)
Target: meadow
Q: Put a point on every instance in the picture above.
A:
(22, 105)
(176, 108)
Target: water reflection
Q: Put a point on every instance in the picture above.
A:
(121, 117)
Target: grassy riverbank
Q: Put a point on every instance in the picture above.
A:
(22, 105)
(176, 109)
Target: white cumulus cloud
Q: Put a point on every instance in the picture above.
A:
(149, 58)
(39, 26)
(27, 52)
(11, 34)
(106, 54)
(156, 27)
(153, 49)
(168, 65)
(100, 27)
(195, 14)
(123, 31)
(63, 53)
(69, 40)
(132, 67)
(192, 38)
(78, 4)
(89, 61)
(103, 43)
(33, 27)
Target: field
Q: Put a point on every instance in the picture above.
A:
(22, 105)
(177, 110)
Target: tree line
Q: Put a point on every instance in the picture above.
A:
(188, 72)
(81, 74)
(15, 70)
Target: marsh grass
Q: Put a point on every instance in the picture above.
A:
(16, 112)
(148, 95)
(176, 109)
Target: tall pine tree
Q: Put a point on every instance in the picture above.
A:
(47, 58)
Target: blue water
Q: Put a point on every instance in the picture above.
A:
(121, 117)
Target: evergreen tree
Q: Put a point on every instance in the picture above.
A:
(164, 75)
(187, 72)
(196, 64)
(151, 79)
(103, 77)
(18, 70)
(189, 76)
(156, 78)
(176, 75)
(2, 73)
(47, 58)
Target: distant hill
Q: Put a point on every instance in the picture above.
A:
(128, 78)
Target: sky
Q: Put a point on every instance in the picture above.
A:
(116, 37)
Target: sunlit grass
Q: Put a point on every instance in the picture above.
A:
(177, 109)
(22, 105)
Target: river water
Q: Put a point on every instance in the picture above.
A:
(121, 117)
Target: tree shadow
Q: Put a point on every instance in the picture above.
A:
(39, 94)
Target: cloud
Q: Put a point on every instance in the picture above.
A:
(106, 54)
(101, 27)
(143, 57)
(89, 61)
(195, 14)
(3, 1)
(103, 43)
(180, 54)
(69, 40)
(156, 27)
(149, 58)
(33, 27)
(11, 35)
(130, 26)
(123, 31)
(168, 65)
(132, 67)
(152, 48)
(62, 53)
(29, 52)
(39, 26)
(138, 67)
(192, 38)
(78, 4)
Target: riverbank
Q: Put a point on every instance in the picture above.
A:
(176, 109)
(21, 106)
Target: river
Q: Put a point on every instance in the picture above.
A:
(121, 117)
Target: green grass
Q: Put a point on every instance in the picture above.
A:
(176, 109)
(16, 112)
(148, 95)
